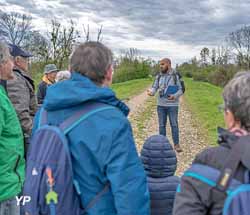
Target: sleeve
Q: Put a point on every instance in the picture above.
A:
(20, 98)
(155, 85)
(188, 199)
(179, 92)
(126, 174)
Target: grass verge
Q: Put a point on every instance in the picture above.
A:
(203, 100)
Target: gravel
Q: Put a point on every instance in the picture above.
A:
(192, 140)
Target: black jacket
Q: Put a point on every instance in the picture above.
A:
(159, 160)
(196, 197)
(41, 92)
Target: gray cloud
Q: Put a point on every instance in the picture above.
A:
(190, 22)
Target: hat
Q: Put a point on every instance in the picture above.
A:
(50, 68)
(17, 51)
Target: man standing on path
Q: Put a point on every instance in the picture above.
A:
(21, 91)
(170, 89)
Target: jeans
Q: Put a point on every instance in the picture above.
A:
(172, 113)
(9, 207)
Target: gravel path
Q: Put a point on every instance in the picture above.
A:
(191, 140)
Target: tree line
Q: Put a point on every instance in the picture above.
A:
(218, 65)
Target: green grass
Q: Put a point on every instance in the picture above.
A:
(203, 100)
(126, 90)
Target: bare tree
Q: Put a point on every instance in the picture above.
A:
(240, 42)
(62, 39)
(223, 55)
(87, 33)
(14, 27)
(213, 56)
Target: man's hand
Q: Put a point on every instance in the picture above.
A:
(171, 97)
(149, 92)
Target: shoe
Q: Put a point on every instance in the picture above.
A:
(178, 148)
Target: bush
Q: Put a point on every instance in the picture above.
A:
(222, 75)
(129, 70)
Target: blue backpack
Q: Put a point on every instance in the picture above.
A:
(49, 179)
(237, 193)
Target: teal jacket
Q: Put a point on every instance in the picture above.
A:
(102, 148)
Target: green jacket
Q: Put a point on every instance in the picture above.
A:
(12, 164)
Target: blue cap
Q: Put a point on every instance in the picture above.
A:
(17, 51)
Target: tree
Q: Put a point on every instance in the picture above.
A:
(240, 42)
(87, 33)
(213, 56)
(15, 27)
(204, 56)
(61, 41)
(223, 55)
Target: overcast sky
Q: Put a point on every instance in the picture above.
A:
(177, 29)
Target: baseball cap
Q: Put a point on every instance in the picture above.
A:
(17, 51)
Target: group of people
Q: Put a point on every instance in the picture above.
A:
(111, 177)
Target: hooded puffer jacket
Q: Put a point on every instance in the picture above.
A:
(159, 160)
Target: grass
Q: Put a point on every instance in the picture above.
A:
(203, 100)
(126, 90)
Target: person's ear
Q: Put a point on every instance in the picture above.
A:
(109, 74)
(230, 120)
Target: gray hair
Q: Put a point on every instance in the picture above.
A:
(63, 75)
(91, 59)
(4, 52)
(236, 96)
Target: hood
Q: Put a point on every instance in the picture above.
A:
(158, 157)
(78, 90)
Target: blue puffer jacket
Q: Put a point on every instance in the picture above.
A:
(102, 147)
(160, 162)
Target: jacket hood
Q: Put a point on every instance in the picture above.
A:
(158, 157)
(78, 90)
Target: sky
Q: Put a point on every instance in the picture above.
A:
(177, 29)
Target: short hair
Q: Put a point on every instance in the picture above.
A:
(166, 60)
(91, 59)
(4, 52)
(236, 97)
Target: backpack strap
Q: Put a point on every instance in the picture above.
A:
(88, 109)
(96, 198)
(232, 163)
(68, 124)
(209, 176)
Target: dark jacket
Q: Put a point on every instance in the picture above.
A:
(41, 92)
(21, 92)
(42, 88)
(160, 162)
(196, 197)
(102, 147)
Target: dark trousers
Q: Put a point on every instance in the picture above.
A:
(172, 113)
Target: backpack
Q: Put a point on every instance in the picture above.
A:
(237, 193)
(176, 76)
(50, 181)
